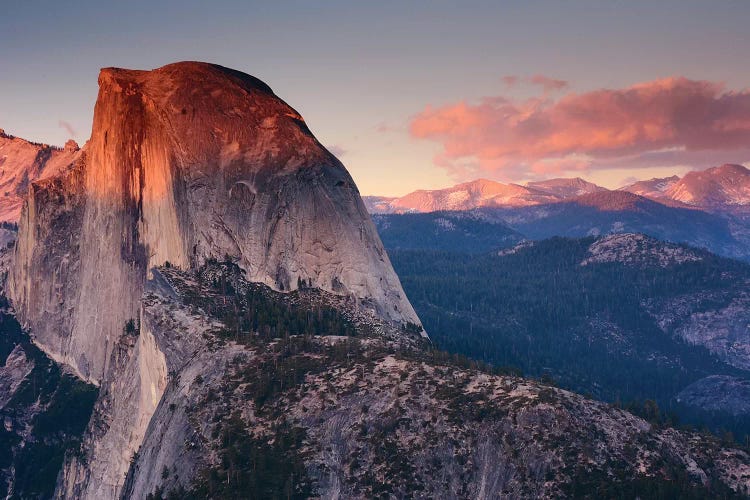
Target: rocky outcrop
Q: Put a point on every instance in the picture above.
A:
(718, 393)
(159, 369)
(717, 320)
(195, 362)
(186, 163)
(639, 250)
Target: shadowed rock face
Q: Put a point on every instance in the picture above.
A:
(185, 163)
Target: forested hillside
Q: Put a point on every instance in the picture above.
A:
(551, 310)
(469, 232)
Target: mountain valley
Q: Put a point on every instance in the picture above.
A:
(197, 304)
(676, 316)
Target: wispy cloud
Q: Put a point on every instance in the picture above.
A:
(672, 121)
(511, 81)
(383, 128)
(547, 83)
(68, 128)
(336, 150)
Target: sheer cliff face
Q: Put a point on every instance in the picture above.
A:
(185, 163)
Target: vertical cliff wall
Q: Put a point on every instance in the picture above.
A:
(127, 400)
(185, 163)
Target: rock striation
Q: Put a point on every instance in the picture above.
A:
(187, 163)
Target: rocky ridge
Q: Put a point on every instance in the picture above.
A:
(718, 320)
(718, 393)
(652, 188)
(23, 162)
(725, 187)
(482, 193)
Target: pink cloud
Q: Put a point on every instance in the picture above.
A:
(547, 83)
(671, 121)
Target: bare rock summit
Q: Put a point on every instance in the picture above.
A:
(187, 163)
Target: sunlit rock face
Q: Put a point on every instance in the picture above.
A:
(725, 187)
(22, 162)
(185, 163)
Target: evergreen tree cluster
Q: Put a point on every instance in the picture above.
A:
(253, 311)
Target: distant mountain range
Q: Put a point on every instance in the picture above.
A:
(482, 193)
(725, 188)
(594, 214)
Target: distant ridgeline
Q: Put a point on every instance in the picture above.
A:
(624, 318)
(707, 208)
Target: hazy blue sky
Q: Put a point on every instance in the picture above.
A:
(364, 73)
